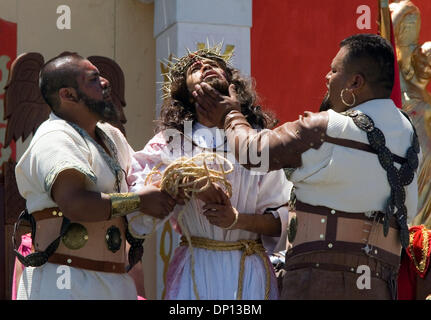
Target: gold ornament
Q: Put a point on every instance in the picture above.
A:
(123, 203)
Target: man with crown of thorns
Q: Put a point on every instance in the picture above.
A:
(225, 241)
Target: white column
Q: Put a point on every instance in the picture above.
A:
(182, 24)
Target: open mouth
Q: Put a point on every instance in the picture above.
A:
(209, 74)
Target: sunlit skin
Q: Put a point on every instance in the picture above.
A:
(91, 84)
(337, 79)
(203, 70)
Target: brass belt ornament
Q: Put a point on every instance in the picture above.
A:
(76, 236)
(397, 178)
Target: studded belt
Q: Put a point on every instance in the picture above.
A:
(324, 229)
(97, 246)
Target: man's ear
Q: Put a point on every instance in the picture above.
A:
(68, 94)
(357, 82)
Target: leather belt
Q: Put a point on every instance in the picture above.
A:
(47, 213)
(321, 210)
(82, 263)
(359, 146)
(325, 229)
(71, 260)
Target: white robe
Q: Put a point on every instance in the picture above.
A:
(55, 147)
(216, 272)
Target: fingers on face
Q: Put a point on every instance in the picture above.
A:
(232, 91)
(201, 110)
(207, 101)
(199, 91)
(207, 89)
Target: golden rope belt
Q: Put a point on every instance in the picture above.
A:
(248, 248)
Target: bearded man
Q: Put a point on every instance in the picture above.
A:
(230, 238)
(72, 177)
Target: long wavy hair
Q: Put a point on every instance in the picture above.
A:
(177, 107)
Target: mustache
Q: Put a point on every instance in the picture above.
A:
(219, 85)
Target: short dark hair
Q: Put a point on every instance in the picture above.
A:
(59, 72)
(373, 57)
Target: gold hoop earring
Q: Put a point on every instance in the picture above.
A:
(344, 101)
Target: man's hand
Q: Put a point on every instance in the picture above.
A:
(221, 215)
(214, 194)
(212, 105)
(155, 202)
(181, 198)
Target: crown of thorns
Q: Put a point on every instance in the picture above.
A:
(178, 66)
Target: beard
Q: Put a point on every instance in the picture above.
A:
(326, 103)
(221, 86)
(104, 109)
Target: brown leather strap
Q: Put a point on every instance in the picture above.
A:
(329, 212)
(47, 213)
(82, 263)
(359, 146)
(330, 242)
(333, 267)
(341, 246)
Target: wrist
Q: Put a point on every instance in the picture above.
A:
(235, 221)
(123, 204)
(224, 116)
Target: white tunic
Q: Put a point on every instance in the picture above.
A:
(57, 146)
(353, 180)
(216, 272)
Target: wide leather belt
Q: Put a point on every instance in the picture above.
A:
(47, 213)
(322, 229)
(92, 251)
(83, 263)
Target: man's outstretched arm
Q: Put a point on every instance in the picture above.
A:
(280, 148)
